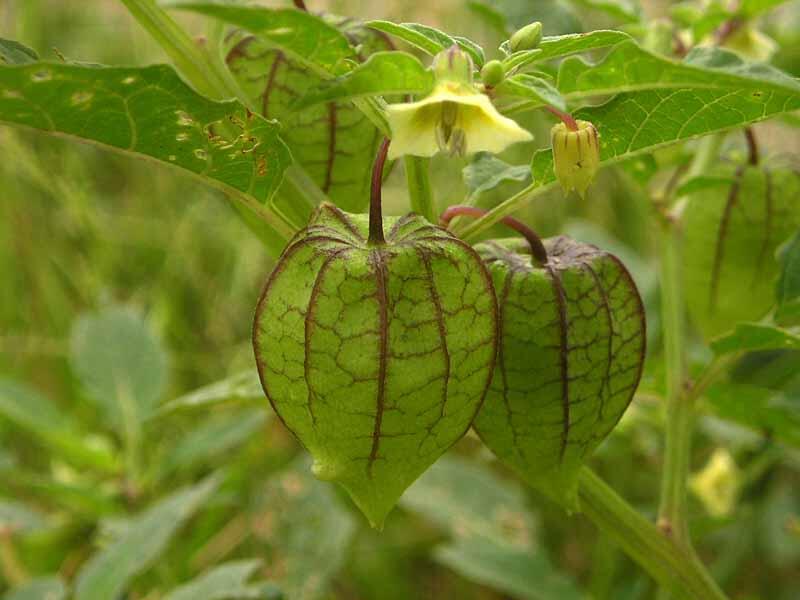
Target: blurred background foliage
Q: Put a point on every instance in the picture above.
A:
(139, 459)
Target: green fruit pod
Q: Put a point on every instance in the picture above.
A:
(570, 354)
(377, 356)
(733, 224)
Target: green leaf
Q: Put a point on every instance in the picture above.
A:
(490, 16)
(42, 588)
(625, 11)
(492, 527)
(752, 8)
(122, 366)
(225, 582)
(14, 53)
(107, 574)
(429, 40)
(212, 438)
(765, 410)
(788, 291)
(528, 575)
(651, 90)
(486, 172)
(239, 388)
(382, 73)
(26, 409)
(539, 90)
(309, 531)
(564, 45)
(304, 37)
(751, 337)
(149, 112)
(18, 518)
(731, 233)
(335, 143)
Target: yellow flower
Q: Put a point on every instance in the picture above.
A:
(717, 484)
(576, 155)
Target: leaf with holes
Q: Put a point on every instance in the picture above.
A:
(660, 101)
(376, 357)
(571, 349)
(334, 142)
(732, 231)
(149, 112)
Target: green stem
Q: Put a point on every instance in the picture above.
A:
(679, 407)
(681, 573)
(419, 187)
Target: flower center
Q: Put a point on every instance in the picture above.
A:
(449, 136)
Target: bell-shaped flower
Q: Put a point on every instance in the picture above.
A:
(455, 118)
(576, 155)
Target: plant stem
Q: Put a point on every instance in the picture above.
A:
(681, 573)
(376, 237)
(679, 408)
(419, 186)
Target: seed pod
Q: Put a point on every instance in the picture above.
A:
(527, 38)
(733, 224)
(571, 348)
(576, 155)
(376, 356)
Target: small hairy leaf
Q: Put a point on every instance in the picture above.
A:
(14, 53)
(564, 45)
(122, 366)
(382, 73)
(18, 518)
(107, 574)
(751, 337)
(41, 588)
(731, 233)
(428, 39)
(486, 172)
(225, 582)
(535, 88)
(788, 291)
(242, 387)
(148, 111)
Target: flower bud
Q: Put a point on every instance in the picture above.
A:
(527, 38)
(453, 65)
(376, 356)
(492, 73)
(571, 350)
(576, 155)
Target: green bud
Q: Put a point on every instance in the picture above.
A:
(527, 38)
(453, 65)
(733, 223)
(576, 155)
(376, 356)
(492, 73)
(572, 344)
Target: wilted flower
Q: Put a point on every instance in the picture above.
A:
(717, 484)
(576, 155)
(455, 118)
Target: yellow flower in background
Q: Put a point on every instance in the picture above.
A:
(455, 118)
(717, 484)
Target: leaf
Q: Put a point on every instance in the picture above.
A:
(522, 574)
(489, 15)
(149, 112)
(732, 232)
(751, 337)
(492, 527)
(564, 45)
(121, 365)
(429, 40)
(107, 574)
(225, 582)
(305, 528)
(18, 518)
(212, 438)
(486, 172)
(788, 290)
(752, 8)
(14, 53)
(383, 73)
(242, 387)
(625, 11)
(42, 588)
(768, 411)
(26, 409)
(535, 88)
(303, 37)
(660, 101)
(334, 142)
